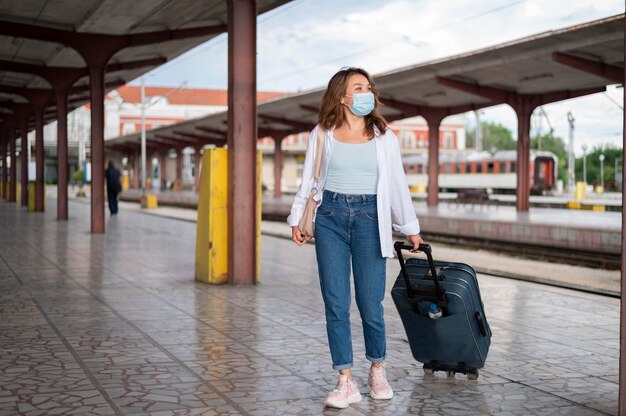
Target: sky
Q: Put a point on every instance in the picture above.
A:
(303, 43)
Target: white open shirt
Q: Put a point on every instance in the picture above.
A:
(393, 200)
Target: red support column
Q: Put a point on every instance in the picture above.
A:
(524, 111)
(198, 166)
(163, 170)
(3, 150)
(136, 169)
(622, 321)
(178, 184)
(242, 134)
(13, 184)
(62, 165)
(96, 79)
(97, 59)
(149, 177)
(39, 159)
(24, 155)
(278, 166)
(432, 197)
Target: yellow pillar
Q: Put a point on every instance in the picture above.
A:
(259, 206)
(125, 182)
(212, 226)
(580, 190)
(31, 196)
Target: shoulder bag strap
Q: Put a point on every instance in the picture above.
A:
(321, 133)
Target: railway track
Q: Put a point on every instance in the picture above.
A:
(588, 258)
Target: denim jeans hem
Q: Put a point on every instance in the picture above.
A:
(342, 366)
(375, 360)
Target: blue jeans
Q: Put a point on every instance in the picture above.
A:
(346, 227)
(112, 196)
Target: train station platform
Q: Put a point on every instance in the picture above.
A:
(115, 324)
(594, 234)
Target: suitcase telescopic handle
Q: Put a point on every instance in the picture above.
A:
(401, 245)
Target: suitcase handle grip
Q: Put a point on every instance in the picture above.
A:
(401, 245)
(481, 324)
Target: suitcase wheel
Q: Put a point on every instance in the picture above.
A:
(472, 374)
(429, 371)
(450, 373)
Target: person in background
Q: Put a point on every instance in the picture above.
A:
(361, 193)
(114, 186)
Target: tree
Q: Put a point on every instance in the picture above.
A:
(611, 153)
(551, 143)
(495, 137)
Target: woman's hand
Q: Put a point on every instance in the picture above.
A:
(416, 240)
(297, 236)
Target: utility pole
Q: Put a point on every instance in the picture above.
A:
(601, 157)
(570, 163)
(143, 137)
(584, 163)
(479, 132)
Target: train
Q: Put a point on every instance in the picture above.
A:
(495, 173)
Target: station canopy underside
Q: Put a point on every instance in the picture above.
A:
(161, 23)
(548, 67)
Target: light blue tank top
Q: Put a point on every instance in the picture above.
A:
(353, 168)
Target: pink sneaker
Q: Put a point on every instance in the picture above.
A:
(380, 388)
(346, 392)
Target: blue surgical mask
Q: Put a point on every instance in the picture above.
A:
(362, 103)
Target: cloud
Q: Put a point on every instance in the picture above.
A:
(302, 44)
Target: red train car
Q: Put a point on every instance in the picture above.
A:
(495, 173)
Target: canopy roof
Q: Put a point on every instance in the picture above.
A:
(37, 35)
(549, 66)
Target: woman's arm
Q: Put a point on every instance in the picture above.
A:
(304, 190)
(403, 215)
(402, 210)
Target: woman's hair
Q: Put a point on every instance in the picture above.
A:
(332, 111)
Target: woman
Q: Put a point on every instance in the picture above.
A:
(364, 193)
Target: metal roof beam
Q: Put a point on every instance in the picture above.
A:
(513, 98)
(142, 63)
(28, 93)
(196, 137)
(610, 72)
(212, 130)
(310, 108)
(54, 72)
(408, 109)
(412, 110)
(109, 85)
(292, 123)
(496, 95)
(158, 138)
(84, 42)
(176, 141)
(38, 97)
(275, 133)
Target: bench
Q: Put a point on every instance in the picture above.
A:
(473, 196)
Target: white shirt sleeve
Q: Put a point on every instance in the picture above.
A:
(403, 215)
(304, 190)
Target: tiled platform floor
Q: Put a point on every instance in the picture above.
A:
(115, 324)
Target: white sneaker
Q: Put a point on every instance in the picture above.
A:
(345, 393)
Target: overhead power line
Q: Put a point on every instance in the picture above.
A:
(223, 38)
(386, 44)
(615, 102)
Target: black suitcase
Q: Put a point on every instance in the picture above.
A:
(459, 340)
